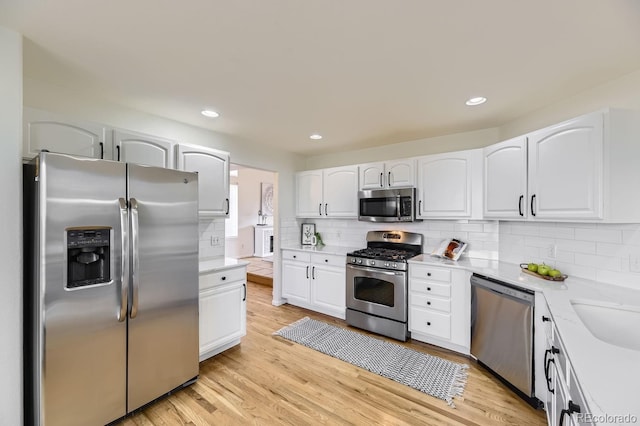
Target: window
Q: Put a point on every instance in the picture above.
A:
(231, 223)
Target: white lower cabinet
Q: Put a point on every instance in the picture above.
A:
(315, 281)
(439, 306)
(564, 402)
(223, 310)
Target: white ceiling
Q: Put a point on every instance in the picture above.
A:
(359, 72)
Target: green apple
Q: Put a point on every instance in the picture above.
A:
(533, 267)
(543, 270)
(554, 273)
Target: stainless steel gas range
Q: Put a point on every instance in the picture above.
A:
(377, 282)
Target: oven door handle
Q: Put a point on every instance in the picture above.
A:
(374, 270)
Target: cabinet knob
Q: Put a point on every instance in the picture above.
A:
(428, 322)
(545, 319)
(326, 260)
(429, 303)
(428, 274)
(428, 288)
(294, 256)
(224, 278)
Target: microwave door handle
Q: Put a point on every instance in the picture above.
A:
(135, 275)
(124, 262)
(398, 206)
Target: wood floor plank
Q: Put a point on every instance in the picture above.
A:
(268, 380)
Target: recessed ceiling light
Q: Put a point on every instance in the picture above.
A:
(315, 136)
(210, 113)
(476, 101)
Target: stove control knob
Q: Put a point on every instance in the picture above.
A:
(386, 264)
(395, 265)
(372, 262)
(353, 260)
(359, 260)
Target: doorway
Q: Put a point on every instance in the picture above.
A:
(249, 230)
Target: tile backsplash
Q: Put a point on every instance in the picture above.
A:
(608, 253)
(211, 235)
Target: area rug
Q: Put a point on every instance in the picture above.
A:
(429, 374)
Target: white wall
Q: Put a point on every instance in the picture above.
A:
(426, 146)
(11, 227)
(249, 194)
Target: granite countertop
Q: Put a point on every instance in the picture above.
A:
(609, 375)
(337, 250)
(220, 264)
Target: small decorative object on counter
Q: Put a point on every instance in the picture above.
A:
(319, 241)
(543, 271)
(451, 248)
(307, 233)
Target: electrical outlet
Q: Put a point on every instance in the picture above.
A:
(551, 251)
(215, 241)
(634, 262)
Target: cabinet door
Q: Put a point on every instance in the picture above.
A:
(505, 179)
(372, 176)
(222, 315)
(400, 173)
(53, 132)
(213, 177)
(130, 147)
(329, 289)
(309, 194)
(444, 185)
(340, 192)
(566, 169)
(296, 280)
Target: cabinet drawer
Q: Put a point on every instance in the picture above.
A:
(429, 302)
(296, 255)
(430, 322)
(443, 290)
(226, 276)
(431, 273)
(561, 356)
(328, 259)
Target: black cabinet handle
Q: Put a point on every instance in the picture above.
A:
(428, 322)
(320, 209)
(101, 151)
(520, 200)
(245, 292)
(572, 408)
(228, 206)
(428, 274)
(546, 319)
(428, 303)
(428, 288)
(533, 197)
(313, 272)
(294, 256)
(224, 278)
(419, 206)
(307, 272)
(118, 151)
(381, 184)
(326, 260)
(325, 210)
(389, 181)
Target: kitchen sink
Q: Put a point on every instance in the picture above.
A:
(612, 323)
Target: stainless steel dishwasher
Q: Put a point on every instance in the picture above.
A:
(502, 332)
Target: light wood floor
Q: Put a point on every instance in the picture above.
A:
(268, 380)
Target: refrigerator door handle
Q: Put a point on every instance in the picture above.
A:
(136, 259)
(124, 262)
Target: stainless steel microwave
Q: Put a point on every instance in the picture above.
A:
(387, 205)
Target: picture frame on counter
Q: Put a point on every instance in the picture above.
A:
(307, 234)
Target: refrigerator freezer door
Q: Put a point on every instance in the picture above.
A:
(80, 352)
(163, 317)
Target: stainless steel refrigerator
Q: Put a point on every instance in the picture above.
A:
(111, 287)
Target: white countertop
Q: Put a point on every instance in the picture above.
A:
(337, 250)
(220, 264)
(609, 375)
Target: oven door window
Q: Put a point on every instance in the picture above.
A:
(379, 207)
(374, 290)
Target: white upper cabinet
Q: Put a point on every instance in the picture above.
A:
(450, 185)
(137, 148)
(309, 193)
(505, 180)
(340, 192)
(566, 169)
(390, 174)
(327, 193)
(56, 133)
(213, 177)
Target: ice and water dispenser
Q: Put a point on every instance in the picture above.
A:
(88, 251)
